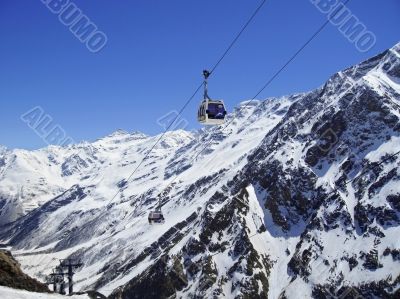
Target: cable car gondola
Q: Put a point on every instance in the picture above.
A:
(156, 216)
(211, 112)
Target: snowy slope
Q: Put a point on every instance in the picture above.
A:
(29, 179)
(7, 293)
(338, 185)
(259, 212)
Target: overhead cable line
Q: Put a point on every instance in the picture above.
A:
(228, 49)
(269, 81)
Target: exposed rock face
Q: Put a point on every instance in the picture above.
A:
(12, 276)
(300, 197)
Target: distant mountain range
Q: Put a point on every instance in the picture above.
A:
(298, 197)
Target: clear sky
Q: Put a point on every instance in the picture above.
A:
(155, 55)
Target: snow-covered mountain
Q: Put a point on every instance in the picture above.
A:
(298, 197)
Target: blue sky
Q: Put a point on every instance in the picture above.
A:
(155, 55)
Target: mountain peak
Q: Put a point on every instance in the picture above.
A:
(118, 132)
(121, 135)
(396, 47)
